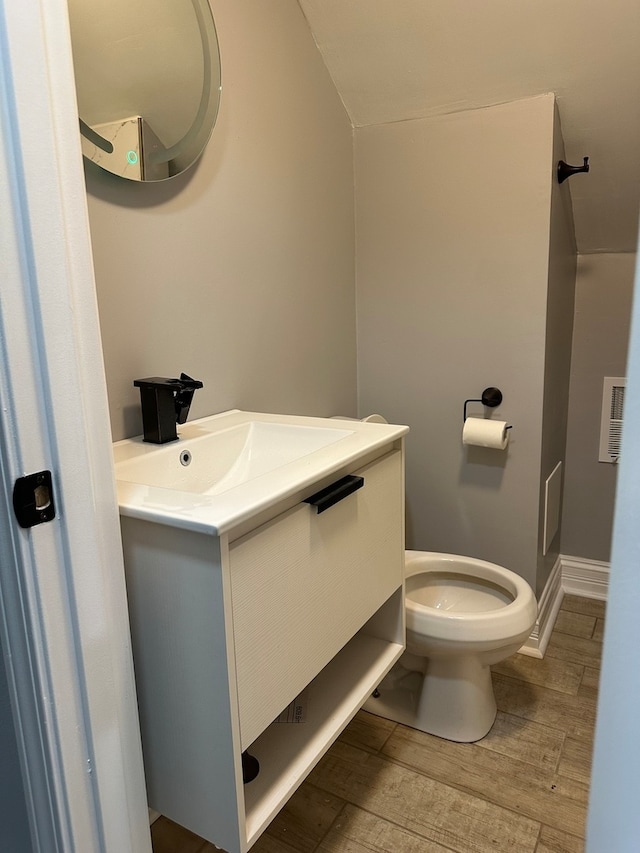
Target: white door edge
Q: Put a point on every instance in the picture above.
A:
(63, 611)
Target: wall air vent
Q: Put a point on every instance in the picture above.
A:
(611, 422)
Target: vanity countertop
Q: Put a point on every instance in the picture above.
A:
(228, 468)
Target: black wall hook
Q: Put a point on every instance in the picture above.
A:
(491, 397)
(565, 170)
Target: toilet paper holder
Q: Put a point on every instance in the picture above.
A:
(491, 397)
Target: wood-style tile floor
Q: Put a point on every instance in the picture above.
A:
(386, 788)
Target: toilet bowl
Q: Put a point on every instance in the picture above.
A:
(462, 615)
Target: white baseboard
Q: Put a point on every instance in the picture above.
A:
(572, 575)
(588, 578)
(548, 607)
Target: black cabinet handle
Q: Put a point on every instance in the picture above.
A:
(330, 495)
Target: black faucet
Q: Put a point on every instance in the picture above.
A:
(165, 403)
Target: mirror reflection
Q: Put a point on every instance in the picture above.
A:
(148, 83)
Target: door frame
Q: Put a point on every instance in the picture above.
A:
(63, 614)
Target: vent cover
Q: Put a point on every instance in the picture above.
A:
(611, 422)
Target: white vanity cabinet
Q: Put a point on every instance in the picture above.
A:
(228, 628)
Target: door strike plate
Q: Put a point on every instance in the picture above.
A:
(33, 499)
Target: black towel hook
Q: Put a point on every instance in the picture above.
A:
(565, 170)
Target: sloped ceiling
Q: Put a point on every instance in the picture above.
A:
(393, 60)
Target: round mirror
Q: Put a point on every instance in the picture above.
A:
(148, 83)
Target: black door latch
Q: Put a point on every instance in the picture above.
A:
(33, 499)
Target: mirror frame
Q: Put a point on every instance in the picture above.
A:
(129, 148)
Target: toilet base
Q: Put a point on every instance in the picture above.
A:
(453, 700)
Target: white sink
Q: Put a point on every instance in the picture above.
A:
(226, 468)
(215, 462)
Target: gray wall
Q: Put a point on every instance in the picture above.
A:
(604, 287)
(453, 218)
(240, 272)
(557, 362)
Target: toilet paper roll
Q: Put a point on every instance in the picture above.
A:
(482, 432)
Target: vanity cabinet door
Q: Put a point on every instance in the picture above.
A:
(304, 583)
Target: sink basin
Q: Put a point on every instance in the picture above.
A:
(218, 461)
(228, 468)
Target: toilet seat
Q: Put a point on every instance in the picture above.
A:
(464, 600)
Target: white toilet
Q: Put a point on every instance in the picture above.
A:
(462, 616)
